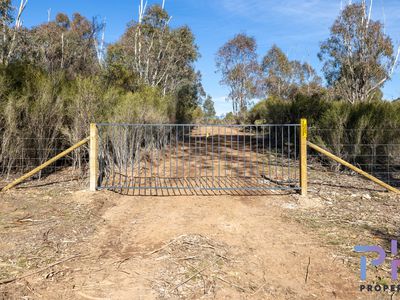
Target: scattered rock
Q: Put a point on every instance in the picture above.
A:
(367, 196)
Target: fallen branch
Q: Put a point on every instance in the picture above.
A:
(10, 280)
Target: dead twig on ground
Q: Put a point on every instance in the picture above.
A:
(308, 268)
(231, 284)
(10, 280)
(259, 289)
(90, 297)
(166, 245)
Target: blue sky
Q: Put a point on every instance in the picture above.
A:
(296, 26)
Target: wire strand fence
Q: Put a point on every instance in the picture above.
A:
(170, 158)
(20, 153)
(374, 151)
(154, 159)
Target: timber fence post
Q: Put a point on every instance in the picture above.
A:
(303, 157)
(93, 157)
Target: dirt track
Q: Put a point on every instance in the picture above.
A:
(272, 253)
(267, 254)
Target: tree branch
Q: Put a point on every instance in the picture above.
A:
(369, 14)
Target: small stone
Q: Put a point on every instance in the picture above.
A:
(289, 205)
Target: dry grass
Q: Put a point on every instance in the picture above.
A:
(195, 266)
(40, 227)
(347, 211)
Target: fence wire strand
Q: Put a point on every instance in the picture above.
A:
(376, 151)
(174, 158)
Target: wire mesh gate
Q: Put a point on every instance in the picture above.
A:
(164, 159)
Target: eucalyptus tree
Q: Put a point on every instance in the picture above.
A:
(5, 20)
(277, 72)
(9, 33)
(359, 58)
(208, 108)
(237, 62)
(284, 78)
(158, 55)
(67, 45)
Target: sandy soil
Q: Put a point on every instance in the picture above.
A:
(122, 240)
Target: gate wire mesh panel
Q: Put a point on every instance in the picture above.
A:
(198, 159)
(376, 151)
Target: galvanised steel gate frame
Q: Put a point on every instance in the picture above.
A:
(154, 159)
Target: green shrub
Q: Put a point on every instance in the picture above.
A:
(32, 118)
(145, 107)
(354, 132)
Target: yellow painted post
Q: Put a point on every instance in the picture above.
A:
(93, 157)
(303, 157)
(46, 164)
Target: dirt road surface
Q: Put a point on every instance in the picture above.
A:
(193, 247)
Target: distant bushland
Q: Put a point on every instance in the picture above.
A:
(365, 133)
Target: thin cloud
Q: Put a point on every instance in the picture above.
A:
(306, 10)
(315, 16)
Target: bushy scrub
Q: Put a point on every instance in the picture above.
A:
(147, 106)
(47, 113)
(356, 132)
(32, 118)
(57, 77)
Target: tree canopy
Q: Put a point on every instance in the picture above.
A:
(237, 62)
(358, 56)
(284, 78)
(156, 53)
(208, 108)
